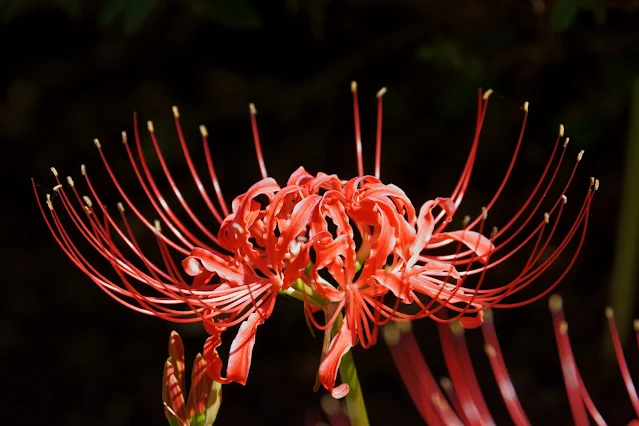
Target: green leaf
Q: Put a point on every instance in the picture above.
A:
(563, 14)
(136, 13)
(235, 14)
(110, 11)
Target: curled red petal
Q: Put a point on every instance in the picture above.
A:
(212, 263)
(395, 284)
(475, 241)
(213, 360)
(192, 266)
(436, 269)
(472, 322)
(239, 356)
(342, 343)
(299, 176)
(426, 226)
(242, 349)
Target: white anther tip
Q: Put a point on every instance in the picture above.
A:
(121, 207)
(97, 143)
(564, 199)
(70, 181)
(87, 201)
(487, 94)
(252, 109)
(526, 105)
(176, 112)
(83, 169)
(54, 171)
(125, 139)
(57, 188)
(158, 225)
(484, 213)
(381, 92)
(566, 142)
(546, 218)
(204, 131)
(561, 130)
(353, 86)
(596, 184)
(149, 125)
(580, 155)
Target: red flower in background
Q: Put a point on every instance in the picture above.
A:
(458, 400)
(358, 250)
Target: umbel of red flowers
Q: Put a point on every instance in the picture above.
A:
(357, 251)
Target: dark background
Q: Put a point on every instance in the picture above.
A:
(72, 71)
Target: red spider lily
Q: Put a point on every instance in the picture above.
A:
(357, 249)
(459, 400)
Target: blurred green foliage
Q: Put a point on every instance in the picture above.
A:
(132, 15)
(242, 14)
(564, 12)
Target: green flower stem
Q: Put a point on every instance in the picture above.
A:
(299, 289)
(355, 398)
(347, 371)
(623, 283)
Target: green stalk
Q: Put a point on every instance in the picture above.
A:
(348, 373)
(623, 284)
(300, 291)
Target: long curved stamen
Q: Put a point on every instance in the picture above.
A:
(174, 187)
(509, 169)
(358, 134)
(621, 360)
(188, 238)
(192, 170)
(378, 135)
(256, 141)
(209, 162)
(462, 184)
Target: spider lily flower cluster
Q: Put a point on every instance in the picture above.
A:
(356, 251)
(458, 400)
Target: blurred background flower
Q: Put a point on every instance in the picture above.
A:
(74, 70)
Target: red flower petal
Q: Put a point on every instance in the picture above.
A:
(239, 356)
(342, 343)
(477, 242)
(212, 263)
